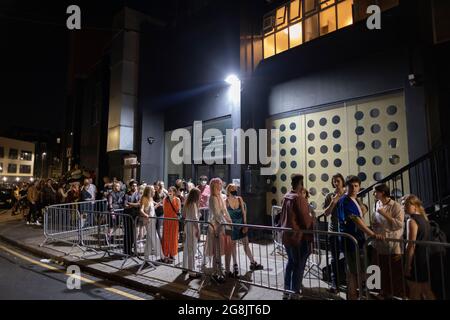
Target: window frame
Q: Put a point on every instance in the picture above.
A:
(11, 165)
(17, 154)
(303, 15)
(23, 153)
(23, 166)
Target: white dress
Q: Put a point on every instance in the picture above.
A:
(190, 242)
(153, 243)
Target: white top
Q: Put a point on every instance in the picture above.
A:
(150, 210)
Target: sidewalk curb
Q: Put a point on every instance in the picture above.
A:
(166, 293)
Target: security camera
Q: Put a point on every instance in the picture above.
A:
(151, 140)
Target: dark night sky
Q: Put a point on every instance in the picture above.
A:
(34, 54)
(33, 65)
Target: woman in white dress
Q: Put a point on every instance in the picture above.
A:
(218, 214)
(153, 243)
(192, 231)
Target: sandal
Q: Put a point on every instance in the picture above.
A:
(256, 266)
(236, 271)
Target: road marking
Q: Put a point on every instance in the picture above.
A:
(95, 283)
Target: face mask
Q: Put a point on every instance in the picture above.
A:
(203, 183)
(234, 193)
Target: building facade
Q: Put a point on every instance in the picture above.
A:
(345, 98)
(16, 160)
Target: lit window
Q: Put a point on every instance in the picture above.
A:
(25, 155)
(269, 46)
(311, 28)
(310, 5)
(1, 167)
(345, 14)
(295, 35)
(295, 10)
(281, 19)
(328, 20)
(282, 38)
(326, 4)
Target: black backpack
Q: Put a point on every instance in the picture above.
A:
(437, 235)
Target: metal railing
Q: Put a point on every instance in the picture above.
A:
(427, 177)
(428, 274)
(217, 251)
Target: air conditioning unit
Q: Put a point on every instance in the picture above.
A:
(130, 161)
(268, 23)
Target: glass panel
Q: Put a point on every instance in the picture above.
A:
(310, 5)
(328, 20)
(25, 155)
(311, 28)
(345, 16)
(326, 3)
(295, 34)
(281, 19)
(25, 169)
(13, 154)
(12, 168)
(282, 40)
(295, 10)
(269, 46)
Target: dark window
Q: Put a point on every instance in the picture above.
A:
(2, 152)
(26, 155)
(12, 168)
(13, 154)
(24, 169)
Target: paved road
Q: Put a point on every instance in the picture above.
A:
(26, 277)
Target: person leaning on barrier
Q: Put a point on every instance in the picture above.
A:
(417, 265)
(171, 208)
(330, 206)
(218, 243)
(295, 216)
(352, 223)
(192, 232)
(388, 220)
(147, 214)
(115, 202)
(132, 206)
(238, 214)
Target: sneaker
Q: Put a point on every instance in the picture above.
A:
(28, 223)
(38, 223)
(286, 296)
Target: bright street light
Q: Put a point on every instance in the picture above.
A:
(232, 79)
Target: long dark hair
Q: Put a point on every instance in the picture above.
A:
(193, 197)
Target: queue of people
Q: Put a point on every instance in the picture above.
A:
(390, 221)
(184, 202)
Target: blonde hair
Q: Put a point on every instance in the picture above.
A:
(413, 200)
(215, 185)
(147, 197)
(230, 186)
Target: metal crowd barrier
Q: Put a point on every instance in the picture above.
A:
(63, 222)
(272, 276)
(430, 269)
(213, 251)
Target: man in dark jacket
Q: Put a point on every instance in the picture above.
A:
(295, 215)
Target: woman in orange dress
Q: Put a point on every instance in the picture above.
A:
(171, 207)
